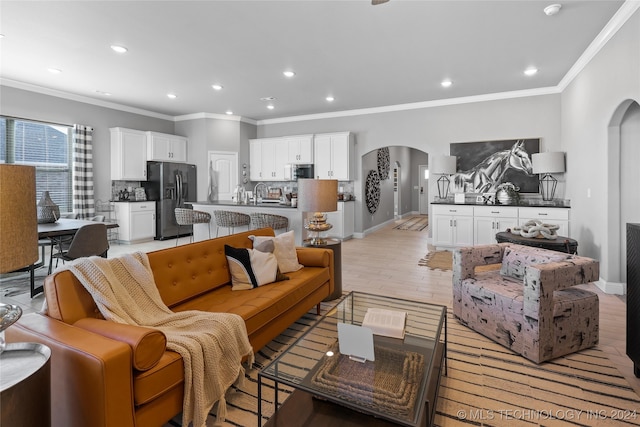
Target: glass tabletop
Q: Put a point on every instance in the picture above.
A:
(394, 385)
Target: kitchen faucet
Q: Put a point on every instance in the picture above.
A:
(255, 192)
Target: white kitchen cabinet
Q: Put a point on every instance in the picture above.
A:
(300, 149)
(128, 155)
(342, 220)
(136, 221)
(489, 220)
(334, 156)
(557, 216)
(275, 155)
(452, 225)
(166, 148)
(255, 160)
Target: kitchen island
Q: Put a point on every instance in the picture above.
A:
(201, 231)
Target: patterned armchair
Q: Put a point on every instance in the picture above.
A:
(529, 303)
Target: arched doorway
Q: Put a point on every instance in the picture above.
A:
(623, 184)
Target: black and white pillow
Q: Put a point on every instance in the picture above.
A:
(251, 268)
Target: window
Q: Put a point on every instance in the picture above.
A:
(45, 146)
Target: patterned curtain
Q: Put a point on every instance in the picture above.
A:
(83, 203)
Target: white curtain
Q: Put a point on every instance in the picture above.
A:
(83, 203)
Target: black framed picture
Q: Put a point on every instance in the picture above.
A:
(483, 166)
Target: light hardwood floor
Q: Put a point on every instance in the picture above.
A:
(385, 262)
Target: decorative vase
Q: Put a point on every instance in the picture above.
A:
(48, 211)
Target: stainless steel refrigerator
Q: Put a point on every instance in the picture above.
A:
(170, 185)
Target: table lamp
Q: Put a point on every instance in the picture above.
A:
(318, 196)
(18, 229)
(546, 164)
(445, 166)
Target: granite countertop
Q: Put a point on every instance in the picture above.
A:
(525, 204)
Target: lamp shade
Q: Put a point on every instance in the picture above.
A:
(443, 164)
(18, 218)
(318, 195)
(550, 162)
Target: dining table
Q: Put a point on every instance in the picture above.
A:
(63, 227)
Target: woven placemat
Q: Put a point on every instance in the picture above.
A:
(389, 385)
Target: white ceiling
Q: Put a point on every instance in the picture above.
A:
(365, 56)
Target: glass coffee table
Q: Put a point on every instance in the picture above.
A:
(400, 386)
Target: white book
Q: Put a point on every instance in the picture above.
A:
(389, 323)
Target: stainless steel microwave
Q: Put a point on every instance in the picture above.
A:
(293, 172)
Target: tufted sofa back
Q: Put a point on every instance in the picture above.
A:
(181, 273)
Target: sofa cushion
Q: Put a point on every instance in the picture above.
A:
(516, 259)
(251, 268)
(165, 375)
(284, 250)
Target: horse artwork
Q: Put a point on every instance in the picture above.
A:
(500, 161)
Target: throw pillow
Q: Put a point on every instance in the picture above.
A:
(250, 268)
(514, 261)
(284, 250)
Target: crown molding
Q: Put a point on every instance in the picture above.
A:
(80, 98)
(416, 105)
(198, 116)
(628, 8)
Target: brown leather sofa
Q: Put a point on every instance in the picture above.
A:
(107, 374)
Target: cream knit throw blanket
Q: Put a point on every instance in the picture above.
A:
(211, 344)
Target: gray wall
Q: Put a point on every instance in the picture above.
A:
(36, 106)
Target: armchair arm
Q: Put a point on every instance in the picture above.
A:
(541, 280)
(465, 260)
(91, 376)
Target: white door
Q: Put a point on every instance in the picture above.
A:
(423, 190)
(223, 174)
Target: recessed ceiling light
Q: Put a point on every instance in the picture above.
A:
(288, 73)
(530, 71)
(552, 9)
(270, 107)
(103, 93)
(119, 49)
(330, 98)
(54, 70)
(446, 83)
(217, 87)
(172, 96)
(229, 112)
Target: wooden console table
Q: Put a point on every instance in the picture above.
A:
(560, 244)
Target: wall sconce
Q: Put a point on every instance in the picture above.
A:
(546, 164)
(444, 166)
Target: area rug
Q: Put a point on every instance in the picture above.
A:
(12, 284)
(417, 223)
(486, 384)
(443, 260)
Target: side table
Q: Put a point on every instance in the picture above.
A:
(336, 246)
(560, 244)
(25, 385)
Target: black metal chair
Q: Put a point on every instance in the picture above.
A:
(89, 240)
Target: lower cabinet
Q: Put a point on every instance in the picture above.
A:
(489, 220)
(343, 221)
(452, 225)
(555, 216)
(136, 221)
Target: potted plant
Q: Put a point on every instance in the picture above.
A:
(507, 194)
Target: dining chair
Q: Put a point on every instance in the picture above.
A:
(89, 240)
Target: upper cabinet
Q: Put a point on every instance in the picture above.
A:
(300, 149)
(334, 156)
(268, 157)
(128, 155)
(166, 148)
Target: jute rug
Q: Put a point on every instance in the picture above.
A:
(443, 260)
(486, 384)
(417, 223)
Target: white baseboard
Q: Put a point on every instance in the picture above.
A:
(614, 288)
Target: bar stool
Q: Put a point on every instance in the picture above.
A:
(189, 217)
(276, 222)
(230, 220)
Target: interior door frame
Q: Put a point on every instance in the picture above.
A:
(423, 191)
